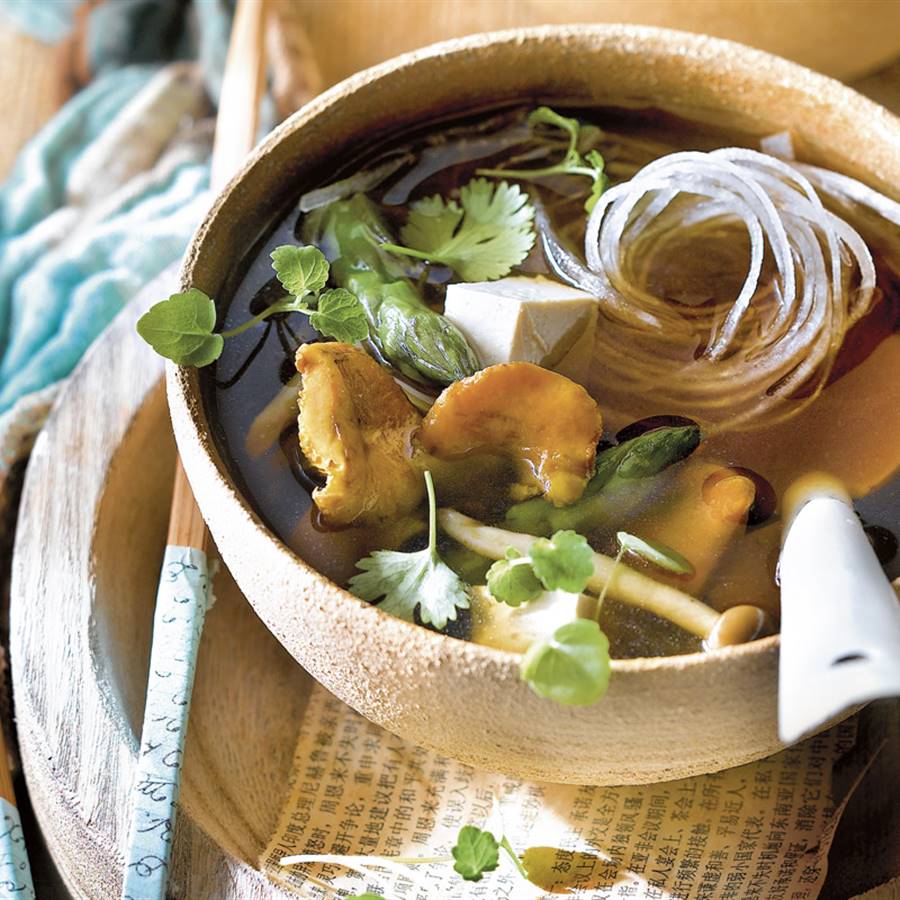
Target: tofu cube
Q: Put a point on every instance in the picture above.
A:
(526, 319)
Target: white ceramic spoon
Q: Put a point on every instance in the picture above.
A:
(840, 616)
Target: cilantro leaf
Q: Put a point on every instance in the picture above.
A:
(564, 562)
(475, 852)
(432, 223)
(591, 165)
(572, 667)
(481, 238)
(655, 552)
(339, 314)
(301, 270)
(181, 329)
(512, 580)
(410, 580)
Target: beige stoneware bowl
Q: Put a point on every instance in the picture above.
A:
(662, 718)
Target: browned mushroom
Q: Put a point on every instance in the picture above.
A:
(546, 424)
(355, 429)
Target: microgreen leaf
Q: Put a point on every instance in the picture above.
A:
(564, 562)
(573, 163)
(655, 552)
(481, 238)
(410, 580)
(572, 667)
(475, 852)
(512, 580)
(181, 329)
(301, 270)
(339, 314)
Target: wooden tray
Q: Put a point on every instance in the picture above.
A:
(90, 539)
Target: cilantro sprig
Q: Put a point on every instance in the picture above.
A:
(182, 328)
(481, 237)
(591, 165)
(564, 562)
(410, 580)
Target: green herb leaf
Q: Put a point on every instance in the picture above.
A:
(476, 852)
(301, 270)
(655, 552)
(512, 580)
(340, 315)
(481, 238)
(368, 895)
(572, 667)
(565, 562)
(573, 163)
(181, 329)
(410, 580)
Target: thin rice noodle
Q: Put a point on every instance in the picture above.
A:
(768, 351)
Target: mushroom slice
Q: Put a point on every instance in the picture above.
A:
(355, 429)
(548, 425)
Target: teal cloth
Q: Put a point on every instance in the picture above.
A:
(54, 303)
(47, 22)
(55, 299)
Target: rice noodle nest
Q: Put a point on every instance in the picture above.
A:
(810, 278)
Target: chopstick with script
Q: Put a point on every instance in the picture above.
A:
(184, 591)
(15, 870)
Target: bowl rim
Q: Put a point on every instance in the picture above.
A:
(187, 408)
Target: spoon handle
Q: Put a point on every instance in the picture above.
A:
(840, 620)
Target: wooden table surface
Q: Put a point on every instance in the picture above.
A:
(32, 86)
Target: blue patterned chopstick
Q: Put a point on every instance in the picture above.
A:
(182, 601)
(15, 871)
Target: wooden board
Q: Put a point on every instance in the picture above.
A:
(89, 545)
(91, 533)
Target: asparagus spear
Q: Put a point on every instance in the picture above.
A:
(641, 457)
(421, 343)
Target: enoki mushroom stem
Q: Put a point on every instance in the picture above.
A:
(620, 581)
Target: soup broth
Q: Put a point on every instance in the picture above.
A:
(851, 430)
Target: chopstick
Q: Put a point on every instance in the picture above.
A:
(184, 594)
(15, 870)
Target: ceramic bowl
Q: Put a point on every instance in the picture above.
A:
(661, 718)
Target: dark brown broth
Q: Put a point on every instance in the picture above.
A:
(853, 429)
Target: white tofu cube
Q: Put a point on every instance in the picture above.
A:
(526, 319)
